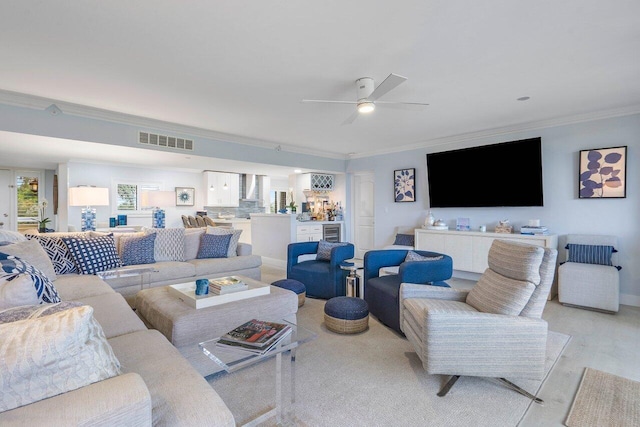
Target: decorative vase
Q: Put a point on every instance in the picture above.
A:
(430, 219)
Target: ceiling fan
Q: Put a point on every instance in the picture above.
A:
(368, 96)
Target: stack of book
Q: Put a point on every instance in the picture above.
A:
(539, 230)
(255, 336)
(226, 285)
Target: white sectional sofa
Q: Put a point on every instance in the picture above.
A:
(156, 384)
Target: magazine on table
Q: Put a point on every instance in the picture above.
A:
(254, 350)
(224, 285)
(256, 335)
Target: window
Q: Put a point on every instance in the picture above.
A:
(27, 184)
(128, 195)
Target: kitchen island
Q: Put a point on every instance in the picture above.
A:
(243, 224)
(272, 233)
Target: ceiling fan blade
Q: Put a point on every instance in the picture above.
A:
(350, 119)
(414, 106)
(388, 84)
(326, 101)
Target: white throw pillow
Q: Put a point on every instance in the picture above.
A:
(169, 245)
(192, 242)
(32, 252)
(50, 355)
(11, 236)
(17, 292)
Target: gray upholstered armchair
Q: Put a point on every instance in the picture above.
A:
(493, 330)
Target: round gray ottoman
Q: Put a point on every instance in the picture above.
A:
(346, 315)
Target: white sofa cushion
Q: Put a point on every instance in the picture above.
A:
(31, 252)
(46, 355)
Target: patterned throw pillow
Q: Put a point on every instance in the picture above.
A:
(404, 240)
(12, 267)
(590, 254)
(17, 292)
(233, 244)
(324, 249)
(169, 244)
(58, 253)
(214, 246)
(414, 256)
(94, 254)
(138, 250)
(34, 311)
(53, 354)
(32, 253)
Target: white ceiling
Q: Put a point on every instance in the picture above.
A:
(242, 67)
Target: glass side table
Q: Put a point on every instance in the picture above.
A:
(354, 286)
(143, 272)
(232, 360)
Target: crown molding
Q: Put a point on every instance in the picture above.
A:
(521, 127)
(40, 103)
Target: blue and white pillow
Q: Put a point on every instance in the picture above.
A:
(138, 250)
(404, 240)
(214, 245)
(94, 254)
(590, 254)
(324, 249)
(57, 251)
(414, 256)
(12, 266)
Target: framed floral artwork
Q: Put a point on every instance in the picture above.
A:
(185, 196)
(603, 173)
(404, 185)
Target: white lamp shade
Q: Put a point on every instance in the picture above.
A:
(158, 199)
(88, 196)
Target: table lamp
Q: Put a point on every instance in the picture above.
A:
(158, 200)
(88, 196)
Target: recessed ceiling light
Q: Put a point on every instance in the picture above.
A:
(524, 98)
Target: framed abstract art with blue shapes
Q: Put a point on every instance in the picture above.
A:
(185, 196)
(603, 173)
(404, 185)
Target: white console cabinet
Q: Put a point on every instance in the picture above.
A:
(470, 249)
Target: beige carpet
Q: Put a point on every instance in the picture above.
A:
(374, 378)
(604, 400)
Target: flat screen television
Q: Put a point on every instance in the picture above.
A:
(496, 175)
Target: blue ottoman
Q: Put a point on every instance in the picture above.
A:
(346, 315)
(295, 286)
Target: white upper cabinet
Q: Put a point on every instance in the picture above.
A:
(222, 188)
(318, 181)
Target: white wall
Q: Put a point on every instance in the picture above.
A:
(104, 176)
(563, 212)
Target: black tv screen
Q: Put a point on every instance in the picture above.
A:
(505, 174)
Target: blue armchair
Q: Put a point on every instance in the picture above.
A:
(323, 279)
(382, 292)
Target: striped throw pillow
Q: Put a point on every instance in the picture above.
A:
(590, 254)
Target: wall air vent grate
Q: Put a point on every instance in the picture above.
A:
(147, 138)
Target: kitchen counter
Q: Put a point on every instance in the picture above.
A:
(272, 233)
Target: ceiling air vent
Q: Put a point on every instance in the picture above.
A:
(165, 141)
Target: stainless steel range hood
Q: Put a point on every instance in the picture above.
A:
(250, 187)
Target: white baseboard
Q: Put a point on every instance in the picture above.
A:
(628, 299)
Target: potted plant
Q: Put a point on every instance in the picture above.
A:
(292, 204)
(42, 222)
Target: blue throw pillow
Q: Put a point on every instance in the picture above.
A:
(94, 254)
(57, 251)
(12, 266)
(404, 240)
(138, 250)
(214, 245)
(324, 249)
(590, 254)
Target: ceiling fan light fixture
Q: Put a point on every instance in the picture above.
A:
(366, 107)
